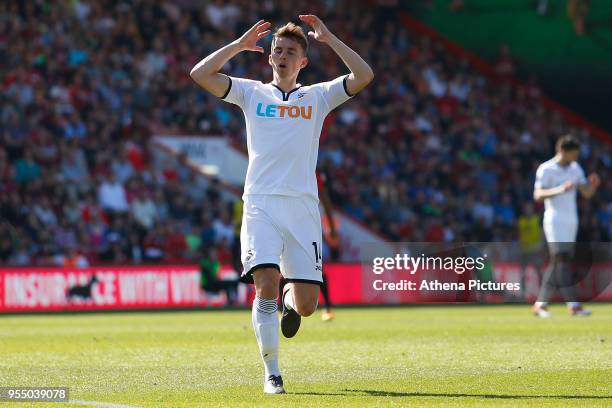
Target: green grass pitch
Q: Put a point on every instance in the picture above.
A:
(417, 356)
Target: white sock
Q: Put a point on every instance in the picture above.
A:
(289, 301)
(541, 304)
(265, 323)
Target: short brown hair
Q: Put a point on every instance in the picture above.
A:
(293, 32)
(568, 143)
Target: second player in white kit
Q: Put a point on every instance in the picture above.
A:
(557, 183)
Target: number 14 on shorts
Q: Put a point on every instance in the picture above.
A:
(317, 251)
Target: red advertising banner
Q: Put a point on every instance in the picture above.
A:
(166, 287)
(129, 287)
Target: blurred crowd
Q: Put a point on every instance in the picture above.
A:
(429, 151)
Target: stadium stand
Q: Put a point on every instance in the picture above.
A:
(433, 150)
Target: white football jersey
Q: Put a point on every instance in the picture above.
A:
(562, 207)
(283, 130)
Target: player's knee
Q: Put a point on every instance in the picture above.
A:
(305, 309)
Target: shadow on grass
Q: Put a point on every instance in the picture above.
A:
(375, 393)
(341, 394)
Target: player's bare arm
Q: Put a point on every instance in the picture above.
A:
(361, 73)
(540, 194)
(588, 190)
(206, 72)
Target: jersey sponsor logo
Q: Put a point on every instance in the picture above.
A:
(284, 111)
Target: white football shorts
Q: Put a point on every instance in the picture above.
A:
(282, 232)
(560, 235)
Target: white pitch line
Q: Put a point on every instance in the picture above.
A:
(101, 404)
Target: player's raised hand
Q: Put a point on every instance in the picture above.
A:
(321, 32)
(594, 180)
(248, 41)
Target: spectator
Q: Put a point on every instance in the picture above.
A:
(224, 229)
(117, 232)
(483, 211)
(122, 167)
(26, 168)
(530, 241)
(504, 66)
(143, 210)
(161, 204)
(72, 258)
(209, 276)
(193, 239)
(175, 245)
(45, 213)
(90, 209)
(46, 150)
(208, 234)
(112, 195)
(65, 236)
(74, 166)
(154, 242)
(21, 255)
(504, 211)
(133, 249)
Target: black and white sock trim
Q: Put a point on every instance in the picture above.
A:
(267, 306)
